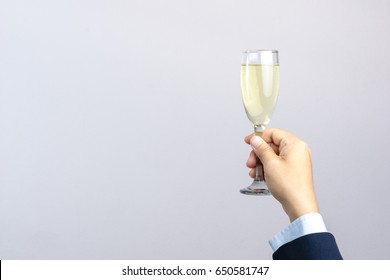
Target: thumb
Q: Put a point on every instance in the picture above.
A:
(262, 150)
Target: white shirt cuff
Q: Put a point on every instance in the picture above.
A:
(306, 224)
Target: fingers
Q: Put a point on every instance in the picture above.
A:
(263, 151)
(252, 160)
(252, 173)
(248, 138)
(277, 136)
(266, 148)
(272, 135)
(272, 145)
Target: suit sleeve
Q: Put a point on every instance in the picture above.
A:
(315, 246)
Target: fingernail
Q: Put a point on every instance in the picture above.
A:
(256, 141)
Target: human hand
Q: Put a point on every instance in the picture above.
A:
(287, 167)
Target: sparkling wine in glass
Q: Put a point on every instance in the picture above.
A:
(260, 89)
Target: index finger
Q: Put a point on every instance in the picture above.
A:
(271, 143)
(278, 136)
(272, 135)
(247, 139)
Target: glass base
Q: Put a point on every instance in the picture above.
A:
(256, 188)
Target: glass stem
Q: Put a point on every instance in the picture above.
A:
(259, 167)
(259, 172)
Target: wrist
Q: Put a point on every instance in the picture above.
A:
(299, 209)
(298, 214)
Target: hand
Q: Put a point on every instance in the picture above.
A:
(287, 170)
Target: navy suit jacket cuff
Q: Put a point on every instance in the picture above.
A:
(315, 246)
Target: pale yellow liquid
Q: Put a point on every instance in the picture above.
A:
(260, 90)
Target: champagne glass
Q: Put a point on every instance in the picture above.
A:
(260, 89)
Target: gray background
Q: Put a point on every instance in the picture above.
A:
(121, 125)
